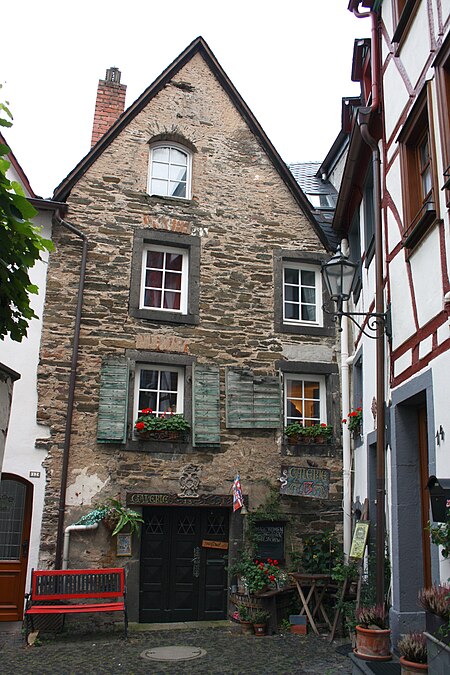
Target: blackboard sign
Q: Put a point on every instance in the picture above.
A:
(304, 481)
(269, 539)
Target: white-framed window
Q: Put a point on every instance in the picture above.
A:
(170, 171)
(304, 399)
(164, 280)
(302, 294)
(159, 387)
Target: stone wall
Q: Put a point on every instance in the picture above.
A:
(242, 211)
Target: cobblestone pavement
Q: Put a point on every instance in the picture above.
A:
(227, 652)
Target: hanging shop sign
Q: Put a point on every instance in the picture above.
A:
(305, 481)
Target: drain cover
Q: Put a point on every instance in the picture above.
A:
(175, 653)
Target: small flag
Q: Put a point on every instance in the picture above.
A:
(238, 500)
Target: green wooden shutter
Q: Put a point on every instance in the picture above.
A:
(113, 403)
(206, 405)
(267, 402)
(253, 402)
(239, 396)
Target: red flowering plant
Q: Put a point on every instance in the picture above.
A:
(257, 574)
(354, 419)
(169, 422)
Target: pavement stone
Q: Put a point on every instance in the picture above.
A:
(228, 652)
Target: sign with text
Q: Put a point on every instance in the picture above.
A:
(359, 539)
(207, 543)
(305, 481)
(269, 539)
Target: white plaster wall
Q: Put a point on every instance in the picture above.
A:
(426, 273)
(394, 188)
(21, 457)
(395, 97)
(445, 5)
(403, 325)
(416, 48)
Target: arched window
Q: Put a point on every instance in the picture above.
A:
(170, 171)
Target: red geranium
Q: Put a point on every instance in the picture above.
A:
(146, 411)
(140, 426)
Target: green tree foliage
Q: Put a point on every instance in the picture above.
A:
(20, 248)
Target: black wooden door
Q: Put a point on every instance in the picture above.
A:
(183, 572)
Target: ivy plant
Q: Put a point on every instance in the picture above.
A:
(20, 247)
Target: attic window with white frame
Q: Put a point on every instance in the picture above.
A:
(302, 294)
(170, 171)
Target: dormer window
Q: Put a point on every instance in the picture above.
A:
(170, 171)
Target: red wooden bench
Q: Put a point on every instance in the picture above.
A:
(62, 586)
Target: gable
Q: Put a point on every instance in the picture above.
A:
(172, 78)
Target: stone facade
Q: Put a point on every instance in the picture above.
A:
(240, 214)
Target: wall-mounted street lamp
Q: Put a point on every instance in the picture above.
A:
(340, 275)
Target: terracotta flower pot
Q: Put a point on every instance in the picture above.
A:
(247, 627)
(410, 668)
(260, 628)
(372, 644)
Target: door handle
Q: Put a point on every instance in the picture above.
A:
(25, 546)
(196, 562)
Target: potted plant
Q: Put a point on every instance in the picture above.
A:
(435, 600)
(115, 516)
(260, 619)
(373, 637)
(297, 432)
(354, 421)
(256, 575)
(166, 426)
(245, 619)
(413, 653)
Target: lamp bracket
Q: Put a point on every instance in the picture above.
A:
(374, 321)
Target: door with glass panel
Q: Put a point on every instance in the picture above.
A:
(15, 521)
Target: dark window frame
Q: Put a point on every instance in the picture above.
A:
(331, 373)
(139, 357)
(280, 258)
(420, 212)
(403, 16)
(191, 244)
(442, 66)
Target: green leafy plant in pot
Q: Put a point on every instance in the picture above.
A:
(412, 648)
(373, 637)
(115, 516)
(260, 618)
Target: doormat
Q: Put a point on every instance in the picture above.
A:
(175, 653)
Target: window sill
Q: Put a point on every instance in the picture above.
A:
(309, 449)
(304, 329)
(153, 446)
(420, 225)
(164, 317)
(172, 200)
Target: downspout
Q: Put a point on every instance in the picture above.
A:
(67, 531)
(346, 451)
(71, 395)
(364, 115)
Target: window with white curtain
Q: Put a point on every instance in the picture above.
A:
(302, 294)
(160, 388)
(164, 281)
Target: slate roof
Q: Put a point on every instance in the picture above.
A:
(321, 194)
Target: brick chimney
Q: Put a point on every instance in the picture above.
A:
(110, 103)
